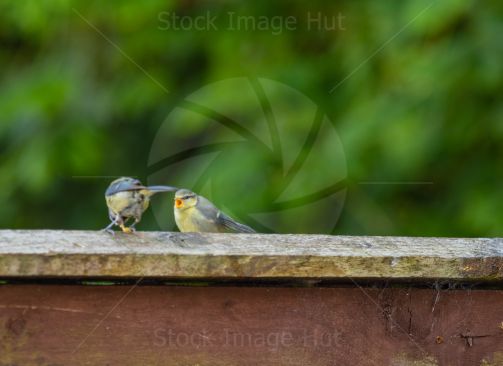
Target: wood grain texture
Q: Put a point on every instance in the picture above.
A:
(55, 325)
(192, 255)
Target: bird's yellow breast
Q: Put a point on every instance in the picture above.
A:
(192, 220)
(184, 221)
(119, 201)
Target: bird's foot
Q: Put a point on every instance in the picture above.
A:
(127, 230)
(108, 230)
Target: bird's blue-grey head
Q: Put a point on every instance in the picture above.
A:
(123, 184)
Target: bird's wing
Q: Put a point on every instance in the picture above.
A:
(221, 220)
(206, 208)
(229, 223)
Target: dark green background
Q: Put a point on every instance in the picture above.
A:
(427, 106)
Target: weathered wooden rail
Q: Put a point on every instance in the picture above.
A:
(160, 298)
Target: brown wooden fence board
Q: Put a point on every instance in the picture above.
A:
(159, 325)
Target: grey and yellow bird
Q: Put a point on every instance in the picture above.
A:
(194, 213)
(127, 198)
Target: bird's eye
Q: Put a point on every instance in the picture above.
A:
(185, 197)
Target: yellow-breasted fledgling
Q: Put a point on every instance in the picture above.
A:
(194, 213)
(127, 198)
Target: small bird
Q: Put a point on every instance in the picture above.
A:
(127, 198)
(194, 213)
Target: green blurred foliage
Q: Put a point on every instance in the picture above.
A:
(420, 101)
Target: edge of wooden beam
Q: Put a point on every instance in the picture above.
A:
(42, 253)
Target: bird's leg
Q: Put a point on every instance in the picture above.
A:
(132, 227)
(125, 229)
(108, 229)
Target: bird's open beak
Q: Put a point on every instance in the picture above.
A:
(178, 203)
(162, 188)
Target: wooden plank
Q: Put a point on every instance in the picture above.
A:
(215, 326)
(192, 255)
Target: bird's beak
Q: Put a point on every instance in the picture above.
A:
(178, 203)
(162, 188)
